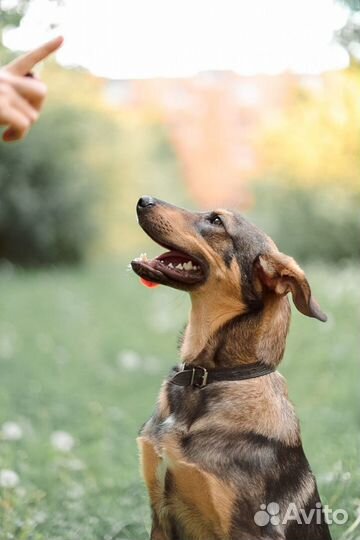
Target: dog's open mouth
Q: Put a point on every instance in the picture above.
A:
(170, 268)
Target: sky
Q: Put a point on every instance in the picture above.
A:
(135, 39)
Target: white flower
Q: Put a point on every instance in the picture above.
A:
(11, 431)
(63, 441)
(129, 360)
(8, 478)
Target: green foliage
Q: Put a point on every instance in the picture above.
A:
(62, 369)
(316, 223)
(316, 140)
(352, 4)
(10, 17)
(46, 192)
(349, 35)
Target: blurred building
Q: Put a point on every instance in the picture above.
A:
(214, 120)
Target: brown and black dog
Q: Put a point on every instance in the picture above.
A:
(214, 454)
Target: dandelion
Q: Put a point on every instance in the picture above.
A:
(62, 441)
(11, 431)
(8, 478)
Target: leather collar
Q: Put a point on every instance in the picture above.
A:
(198, 376)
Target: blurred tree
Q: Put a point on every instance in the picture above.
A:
(352, 4)
(10, 16)
(317, 141)
(349, 35)
(46, 192)
(313, 152)
(309, 224)
(142, 160)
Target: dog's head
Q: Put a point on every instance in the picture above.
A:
(221, 255)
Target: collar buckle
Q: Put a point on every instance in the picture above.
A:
(199, 377)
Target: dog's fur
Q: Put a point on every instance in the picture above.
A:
(212, 456)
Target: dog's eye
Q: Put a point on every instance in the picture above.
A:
(216, 220)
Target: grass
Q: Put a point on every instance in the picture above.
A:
(83, 351)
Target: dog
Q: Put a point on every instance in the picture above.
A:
(224, 441)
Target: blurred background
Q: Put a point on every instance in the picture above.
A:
(249, 105)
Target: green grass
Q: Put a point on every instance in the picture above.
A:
(63, 335)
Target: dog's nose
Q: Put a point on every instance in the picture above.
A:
(145, 202)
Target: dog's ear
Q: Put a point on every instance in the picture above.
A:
(281, 274)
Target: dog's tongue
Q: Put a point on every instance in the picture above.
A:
(149, 284)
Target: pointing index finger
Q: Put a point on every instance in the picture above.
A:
(25, 63)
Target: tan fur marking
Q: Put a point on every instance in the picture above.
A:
(150, 462)
(212, 306)
(203, 503)
(271, 334)
(163, 405)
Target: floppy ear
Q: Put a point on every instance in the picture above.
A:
(282, 274)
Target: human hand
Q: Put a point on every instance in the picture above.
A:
(21, 94)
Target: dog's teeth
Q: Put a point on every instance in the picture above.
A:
(143, 257)
(188, 265)
(179, 266)
(170, 265)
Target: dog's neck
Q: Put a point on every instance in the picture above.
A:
(230, 336)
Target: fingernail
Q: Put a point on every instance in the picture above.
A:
(9, 135)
